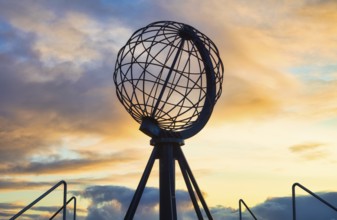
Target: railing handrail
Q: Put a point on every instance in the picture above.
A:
(44, 195)
(58, 211)
(240, 209)
(311, 193)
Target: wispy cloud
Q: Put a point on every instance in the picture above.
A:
(310, 151)
(305, 147)
(66, 166)
(20, 184)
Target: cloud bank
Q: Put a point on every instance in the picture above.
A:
(111, 202)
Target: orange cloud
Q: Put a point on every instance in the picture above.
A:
(54, 165)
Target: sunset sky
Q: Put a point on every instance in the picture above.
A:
(275, 123)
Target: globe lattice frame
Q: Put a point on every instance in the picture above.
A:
(168, 77)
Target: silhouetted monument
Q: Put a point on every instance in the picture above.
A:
(168, 77)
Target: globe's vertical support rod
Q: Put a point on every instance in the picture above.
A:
(168, 77)
(167, 197)
(140, 189)
(194, 182)
(189, 187)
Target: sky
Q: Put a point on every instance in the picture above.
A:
(275, 123)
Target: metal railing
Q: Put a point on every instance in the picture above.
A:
(62, 182)
(241, 202)
(240, 209)
(311, 193)
(58, 211)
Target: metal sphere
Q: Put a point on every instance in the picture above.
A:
(171, 74)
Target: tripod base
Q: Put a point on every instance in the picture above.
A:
(168, 151)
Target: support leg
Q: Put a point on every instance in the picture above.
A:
(167, 196)
(138, 194)
(189, 187)
(194, 182)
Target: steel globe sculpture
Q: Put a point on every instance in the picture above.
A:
(168, 77)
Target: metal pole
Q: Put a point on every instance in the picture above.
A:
(65, 202)
(167, 197)
(240, 214)
(138, 194)
(75, 207)
(294, 201)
